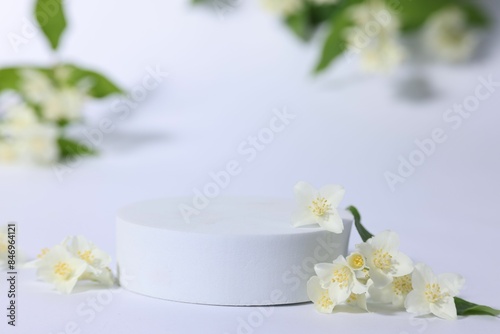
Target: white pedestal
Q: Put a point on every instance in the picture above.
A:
(237, 251)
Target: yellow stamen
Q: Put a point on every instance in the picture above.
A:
(320, 206)
(382, 260)
(86, 256)
(62, 269)
(402, 285)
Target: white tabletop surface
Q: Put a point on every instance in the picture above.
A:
(228, 70)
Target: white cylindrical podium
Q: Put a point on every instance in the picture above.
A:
(236, 251)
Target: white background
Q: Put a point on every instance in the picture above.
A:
(227, 71)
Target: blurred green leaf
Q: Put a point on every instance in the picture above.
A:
(100, 86)
(476, 15)
(413, 13)
(9, 78)
(69, 149)
(50, 16)
(335, 43)
(300, 25)
(467, 308)
(305, 22)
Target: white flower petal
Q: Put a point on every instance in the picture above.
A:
(324, 272)
(303, 217)
(304, 193)
(380, 279)
(338, 294)
(333, 193)
(381, 295)
(387, 240)
(445, 308)
(416, 303)
(402, 264)
(314, 289)
(422, 274)
(333, 224)
(453, 283)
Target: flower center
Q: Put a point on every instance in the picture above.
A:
(320, 206)
(433, 293)
(382, 260)
(86, 256)
(62, 269)
(402, 285)
(341, 276)
(325, 300)
(356, 261)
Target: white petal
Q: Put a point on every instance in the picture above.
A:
(387, 240)
(416, 303)
(325, 273)
(338, 294)
(361, 301)
(333, 193)
(365, 249)
(66, 286)
(304, 193)
(445, 309)
(380, 279)
(422, 274)
(453, 283)
(333, 223)
(383, 295)
(314, 289)
(401, 264)
(357, 287)
(302, 217)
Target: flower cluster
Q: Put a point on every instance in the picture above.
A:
(31, 128)
(75, 259)
(377, 271)
(376, 29)
(43, 101)
(380, 272)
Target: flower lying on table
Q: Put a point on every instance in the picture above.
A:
(379, 272)
(75, 259)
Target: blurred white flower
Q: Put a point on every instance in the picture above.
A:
(38, 144)
(17, 119)
(384, 259)
(97, 260)
(8, 153)
(35, 85)
(394, 293)
(26, 139)
(433, 294)
(447, 35)
(319, 295)
(60, 267)
(318, 207)
(63, 104)
(375, 36)
(283, 7)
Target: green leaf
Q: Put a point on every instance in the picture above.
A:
(363, 232)
(467, 308)
(100, 86)
(476, 15)
(70, 149)
(50, 16)
(9, 79)
(305, 22)
(414, 14)
(335, 43)
(300, 25)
